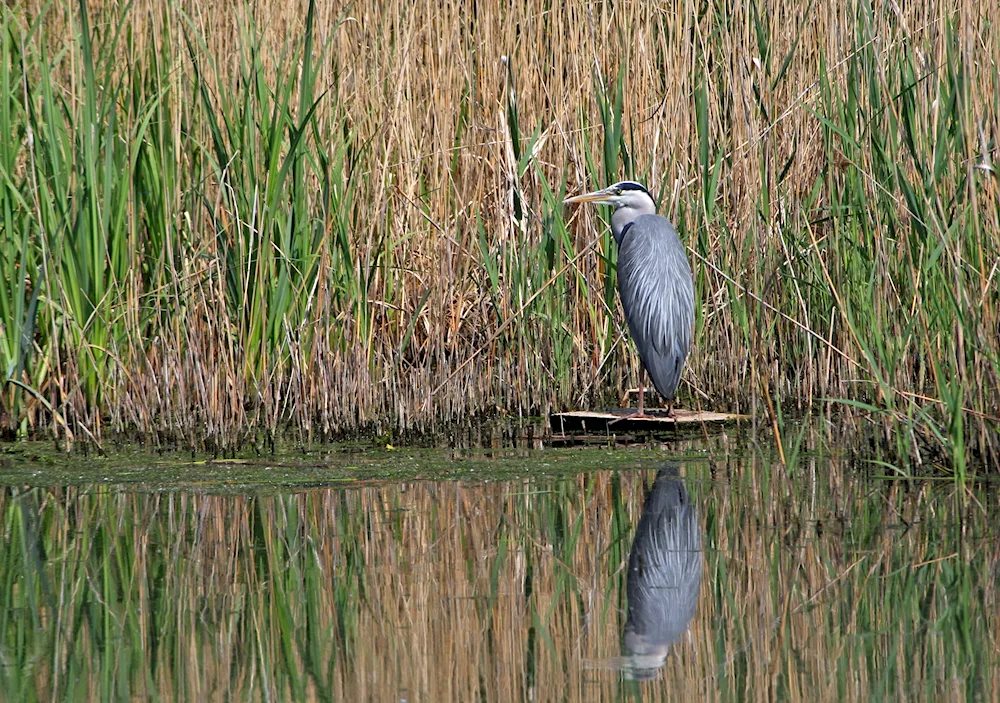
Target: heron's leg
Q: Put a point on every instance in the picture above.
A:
(641, 412)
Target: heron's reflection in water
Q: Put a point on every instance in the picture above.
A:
(664, 575)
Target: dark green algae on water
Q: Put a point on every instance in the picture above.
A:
(374, 573)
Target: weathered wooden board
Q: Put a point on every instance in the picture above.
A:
(617, 421)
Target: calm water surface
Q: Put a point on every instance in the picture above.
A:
(687, 571)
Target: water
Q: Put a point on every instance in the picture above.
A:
(495, 575)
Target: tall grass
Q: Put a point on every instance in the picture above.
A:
(815, 588)
(218, 222)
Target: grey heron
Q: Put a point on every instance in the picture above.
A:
(654, 284)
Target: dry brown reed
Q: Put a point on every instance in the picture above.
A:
(423, 93)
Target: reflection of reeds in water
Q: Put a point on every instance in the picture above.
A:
(442, 591)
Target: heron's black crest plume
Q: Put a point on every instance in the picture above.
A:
(631, 185)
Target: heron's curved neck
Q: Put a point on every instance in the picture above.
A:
(622, 217)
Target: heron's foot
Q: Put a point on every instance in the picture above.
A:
(634, 415)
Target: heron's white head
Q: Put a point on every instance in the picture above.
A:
(624, 194)
(628, 198)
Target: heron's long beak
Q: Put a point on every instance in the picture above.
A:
(598, 196)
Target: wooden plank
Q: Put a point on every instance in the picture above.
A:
(621, 420)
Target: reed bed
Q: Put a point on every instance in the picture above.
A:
(814, 588)
(223, 221)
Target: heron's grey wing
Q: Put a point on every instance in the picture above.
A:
(657, 293)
